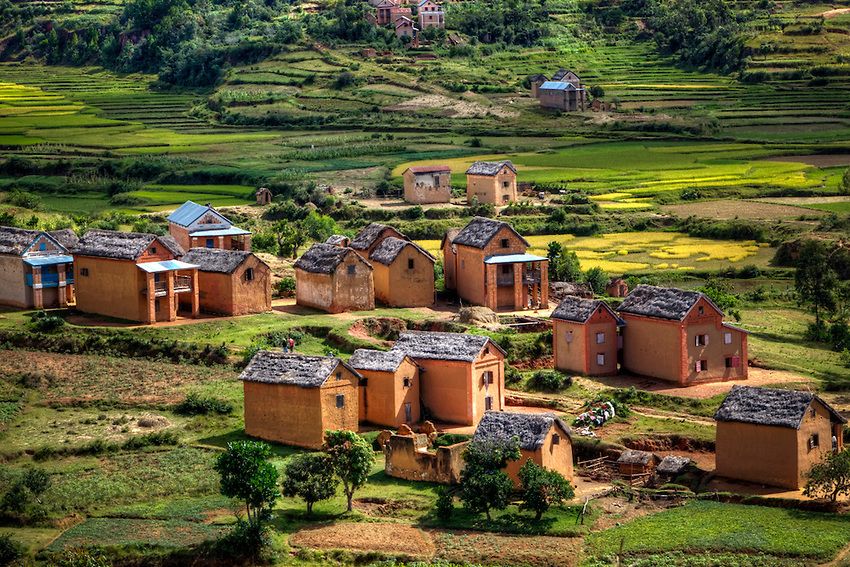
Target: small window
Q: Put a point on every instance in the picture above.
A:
(569, 337)
(701, 340)
(556, 439)
(153, 249)
(506, 269)
(701, 310)
(352, 269)
(339, 375)
(410, 263)
(488, 378)
(600, 359)
(210, 243)
(506, 198)
(701, 365)
(814, 441)
(727, 338)
(42, 246)
(84, 272)
(600, 338)
(813, 412)
(488, 403)
(506, 184)
(463, 264)
(729, 362)
(406, 382)
(505, 243)
(249, 274)
(340, 400)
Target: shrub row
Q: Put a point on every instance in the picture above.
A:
(100, 447)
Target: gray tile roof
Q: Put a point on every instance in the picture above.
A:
(324, 258)
(530, 428)
(336, 239)
(673, 464)
(17, 240)
(66, 237)
(389, 249)
(272, 367)
(578, 309)
(377, 360)
(368, 235)
(122, 245)
(661, 302)
(450, 236)
(767, 406)
(217, 259)
(489, 167)
(480, 231)
(442, 346)
(635, 457)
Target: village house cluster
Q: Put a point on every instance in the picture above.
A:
(487, 182)
(399, 16)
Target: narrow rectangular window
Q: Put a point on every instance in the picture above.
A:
(600, 338)
(410, 263)
(698, 366)
(249, 274)
(505, 243)
(340, 400)
(729, 362)
(701, 310)
(406, 382)
(814, 441)
(488, 403)
(556, 439)
(153, 249)
(351, 269)
(210, 243)
(727, 338)
(600, 359)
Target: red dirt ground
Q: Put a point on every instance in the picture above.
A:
(367, 536)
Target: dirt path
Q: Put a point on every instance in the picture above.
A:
(835, 12)
(661, 414)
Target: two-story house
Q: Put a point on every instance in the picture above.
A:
(201, 226)
(36, 268)
(487, 264)
(430, 15)
(491, 182)
(427, 184)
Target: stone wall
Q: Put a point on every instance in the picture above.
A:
(408, 457)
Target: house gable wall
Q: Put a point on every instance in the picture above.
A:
(112, 288)
(426, 188)
(757, 453)
(13, 290)
(383, 399)
(398, 286)
(653, 347)
(579, 354)
(490, 189)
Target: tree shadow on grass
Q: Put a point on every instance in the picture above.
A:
(240, 435)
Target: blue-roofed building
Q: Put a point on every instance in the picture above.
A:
(201, 226)
(564, 92)
(36, 268)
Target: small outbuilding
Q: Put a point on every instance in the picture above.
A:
(584, 337)
(543, 439)
(371, 236)
(263, 196)
(334, 279)
(617, 287)
(231, 282)
(632, 462)
(403, 273)
(389, 390)
(293, 399)
(774, 437)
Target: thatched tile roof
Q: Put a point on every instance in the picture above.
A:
(16, 240)
(635, 457)
(291, 369)
(122, 245)
(368, 235)
(66, 237)
(442, 346)
(217, 259)
(389, 249)
(337, 240)
(324, 258)
(579, 310)
(673, 464)
(376, 360)
(489, 167)
(480, 231)
(767, 406)
(530, 428)
(662, 302)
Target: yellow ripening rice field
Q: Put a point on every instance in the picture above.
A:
(623, 252)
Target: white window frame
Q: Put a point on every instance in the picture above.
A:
(600, 359)
(600, 338)
(727, 338)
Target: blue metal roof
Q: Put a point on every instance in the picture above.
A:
(48, 260)
(187, 213)
(557, 86)
(232, 231)
(165, 266)
(514, 259)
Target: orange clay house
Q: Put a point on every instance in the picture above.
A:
(679, 336)
(334, 279)
(403, 273)
(389, 390)
(231, 282)
(371, 236)
(293, 399)
(491, 182)
(486, 263)
(201, 226)
(543, 439)
(461, 376)
(36, 268)
(133, 276)
(774, 437)
(584, 337)
(427, 184)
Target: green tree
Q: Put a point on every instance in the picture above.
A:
(596, 91)
(22, 501)
(310, 477)
(597, 279)
(844, 184)
(351, 457)
(318, 227)
(815, 280)
(289, 237)
(719, 292)
(247, 474)
(564, 265)
(542, 489)
(830, 478)
(484, 486)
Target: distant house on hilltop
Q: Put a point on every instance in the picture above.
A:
(561, 95)
(430, 15)
(193, 226)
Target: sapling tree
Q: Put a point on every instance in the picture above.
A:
(310, 477)
(542, 488)
(351, 457)
(815, 279)
(247, 475)
(484, 486)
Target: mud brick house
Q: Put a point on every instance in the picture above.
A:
(134, 276)
(403, 273)
(293, 399)
(535, 81)
(263, 196)
(487, 264)
(201, 226)
(680, 336)
(371, 236)
(543, 439)
(334, 279)
(427, 184)
(405, 28)
(491, 182)
(460, 376)
(560, 95)
(389, 390)
(774, 437)
(231, 282)
(617, 287)
(584, 337)
(430, 14)
(36, 268)
(384, 12)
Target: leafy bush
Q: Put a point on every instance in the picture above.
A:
(195, 404)
(286, 287)
(549, 381)
(46, 323)
(10, 550)
(512, 375)
(23, 199)
(446, 439)
(444, 506)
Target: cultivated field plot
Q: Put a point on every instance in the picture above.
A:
(125, 531)
(386, 538)
(619, 253)
(738, 209)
